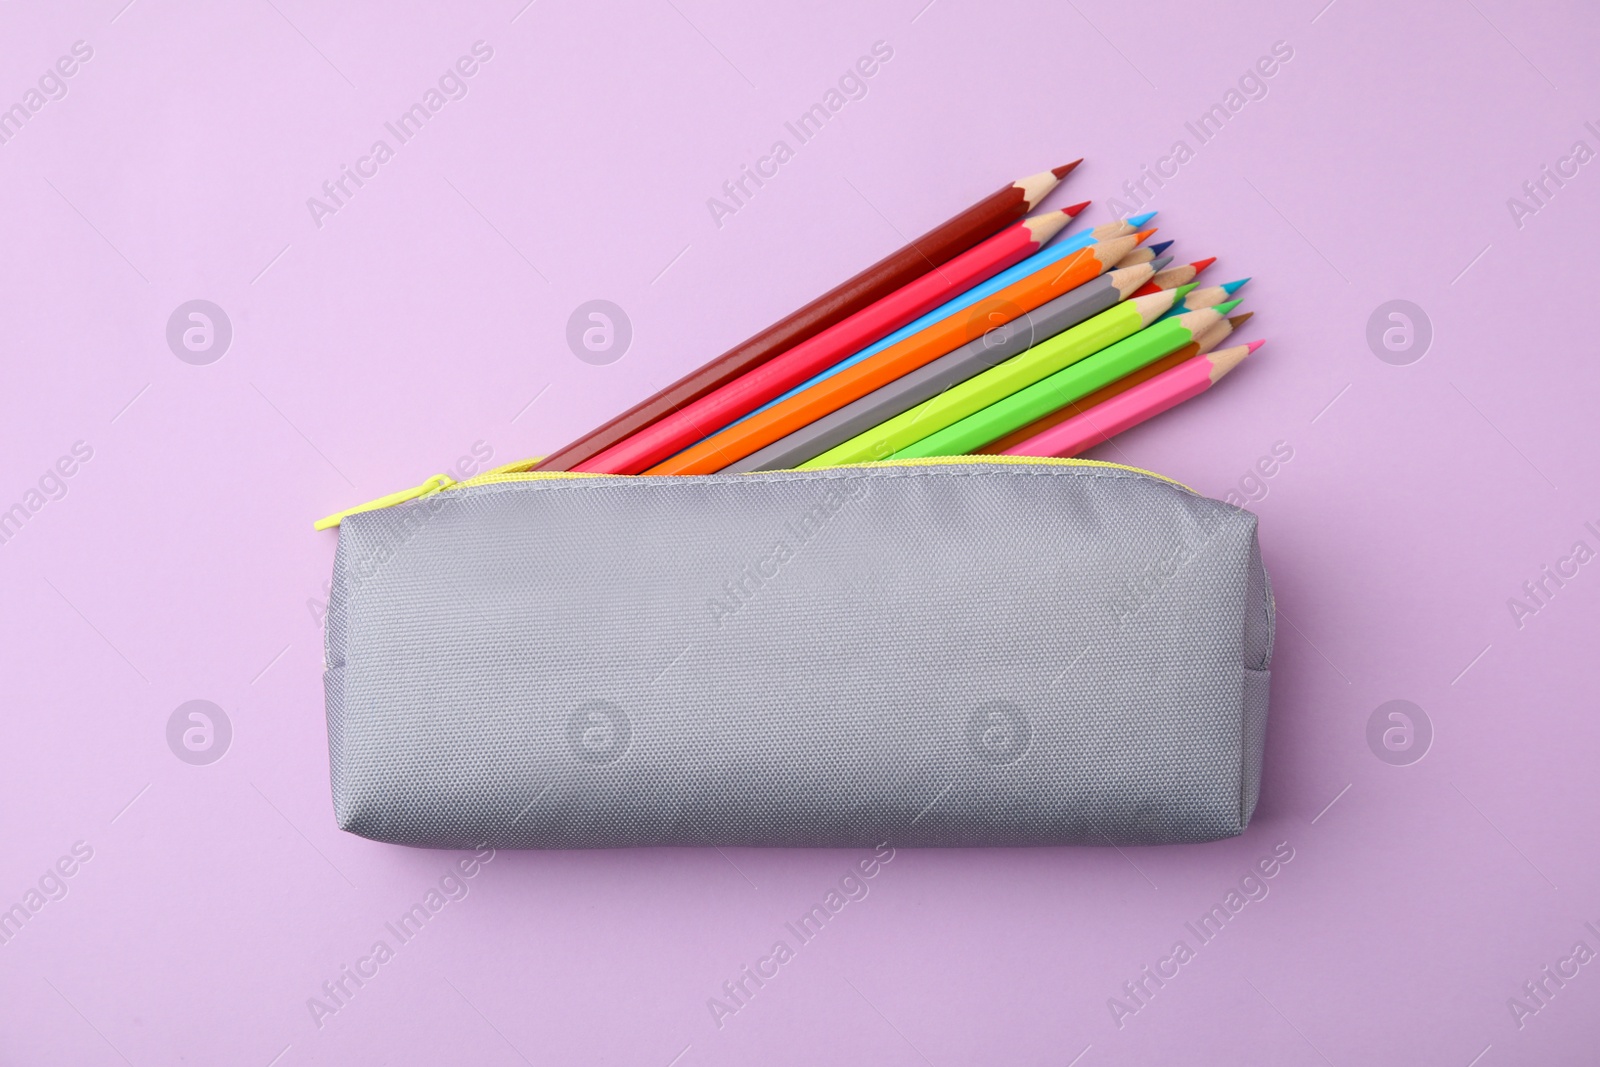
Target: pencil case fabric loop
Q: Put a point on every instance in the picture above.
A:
(938, 654)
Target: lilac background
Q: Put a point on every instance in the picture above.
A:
(430, 312)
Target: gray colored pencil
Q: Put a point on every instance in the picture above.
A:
(931, 379)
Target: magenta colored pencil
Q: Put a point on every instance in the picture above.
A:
(1126, 410)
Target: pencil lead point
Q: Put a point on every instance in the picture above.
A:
(1201, 264)
(1072, 212)
(1160, 248)
(1141, 219)
(1253, 345)
(1142, 234)
(1233, 287)
(1159, 264)
(1223, 309)
(1065, 169)
(1239, 320)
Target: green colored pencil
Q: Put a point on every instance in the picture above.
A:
(1065, 386)
(1107, 328)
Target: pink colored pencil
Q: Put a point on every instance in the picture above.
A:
(1126, 410)
(777, 376)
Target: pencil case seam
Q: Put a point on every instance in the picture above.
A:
(674, 482)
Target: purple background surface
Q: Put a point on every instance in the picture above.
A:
(426, 318)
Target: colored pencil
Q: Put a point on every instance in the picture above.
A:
(938, 246)
(1199, 346)
(1144, 254)
(1210, 296)
(1107, 328)
(1056, 252)
(1065, 386)
(1173, 277)
(743, 394)
(1144, 401)
(1079, 272)
(946, 372)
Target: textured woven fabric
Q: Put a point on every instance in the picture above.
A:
(962, 654)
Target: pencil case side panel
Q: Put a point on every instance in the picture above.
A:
(961, 654)
(1260, 628)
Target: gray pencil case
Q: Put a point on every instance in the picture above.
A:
(973, 651)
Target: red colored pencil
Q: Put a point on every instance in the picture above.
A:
(744, 394)
(933, 249)
(1173, 277)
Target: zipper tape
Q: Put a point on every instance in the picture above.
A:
(522, 471)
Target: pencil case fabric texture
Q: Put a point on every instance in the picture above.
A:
(947, 653)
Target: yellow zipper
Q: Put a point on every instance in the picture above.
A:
(522, 471)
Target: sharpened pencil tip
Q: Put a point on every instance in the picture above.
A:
(1253, 345)
(1159, 264)
(1239, 320)
(1201, 264)
(1226, 359)
(1065, 169)
(1182, 291)
(1233, 287)
(1160, 248)
(1142, 234)
(1223, 309)
(1072, 212)
(1140, 220)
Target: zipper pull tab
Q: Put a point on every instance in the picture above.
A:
(432, 485)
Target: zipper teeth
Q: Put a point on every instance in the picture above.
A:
(1020, 461)
(521, 471)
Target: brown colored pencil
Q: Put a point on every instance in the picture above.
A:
(938, 246)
